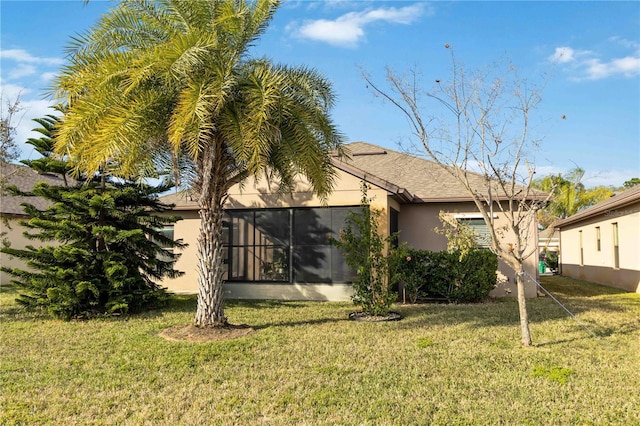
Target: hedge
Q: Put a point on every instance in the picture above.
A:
(448, 276)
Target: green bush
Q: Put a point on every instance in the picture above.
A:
(448, 275)
(551, 259)
(364, 250)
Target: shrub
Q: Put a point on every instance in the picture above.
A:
(551, 259)
(449, 275)
(364, 250)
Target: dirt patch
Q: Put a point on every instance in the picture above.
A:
(191, 333)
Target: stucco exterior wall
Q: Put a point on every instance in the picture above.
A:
(12, 233)
(581, 259)
(258, 194)
(417, 224)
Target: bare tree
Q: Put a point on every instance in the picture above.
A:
(8, 148)
(477, 127)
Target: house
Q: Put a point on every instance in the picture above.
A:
(602, 243)
(11, 211)
(277, 245)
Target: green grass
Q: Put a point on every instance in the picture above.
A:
(307, 364)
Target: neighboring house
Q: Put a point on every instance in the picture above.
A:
(277, 244)
(549, 239)
(602, 243)
(11, 211)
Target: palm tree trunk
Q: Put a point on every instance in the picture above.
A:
(210, 309)
(522, 306)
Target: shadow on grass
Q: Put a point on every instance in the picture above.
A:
(316, 321)
(187, 303)
(569, 287)
(576, 297)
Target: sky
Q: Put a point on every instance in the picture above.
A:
(586, 53)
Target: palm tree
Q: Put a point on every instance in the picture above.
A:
(171, 81)
(569, 195)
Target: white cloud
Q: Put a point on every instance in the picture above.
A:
(11, 92)
(563, 55)
(586, 65)
(22, 70)
(631, 44)
(608, 177)
(22, 56)
(349, 29)
(30, 108)
(48, 76)
(628, 66)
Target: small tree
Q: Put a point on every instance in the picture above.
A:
(110, 250)
(108, 246)
(8, 148)
(461, 237)
(631, 183)
(365, 251)
(485, 147)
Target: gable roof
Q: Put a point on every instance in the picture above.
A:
(617, 201)
(25, 179)
(421, 179)
(407, 178)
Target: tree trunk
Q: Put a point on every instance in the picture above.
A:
(210, 310)
(522, 306)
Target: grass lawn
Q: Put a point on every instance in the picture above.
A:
(305, 363)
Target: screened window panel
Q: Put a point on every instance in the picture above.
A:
(483, 237)
(311, 226)
(272, 227)
(340, 271)
(312, 264)
(285, 245)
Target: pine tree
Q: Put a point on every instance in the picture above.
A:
(108, 249)
(44, 145)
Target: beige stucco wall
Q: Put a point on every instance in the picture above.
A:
(11, 232)
(259, 195)
(417, 224)
(598, 266)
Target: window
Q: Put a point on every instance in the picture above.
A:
(285, 245)
(479, 227)
(166, 231)
(315, 259)
(616, 247)
(581, 249)
(257, 243)
(598, 238)
(394, 226)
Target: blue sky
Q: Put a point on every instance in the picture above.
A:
(590, 52)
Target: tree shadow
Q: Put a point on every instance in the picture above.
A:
(316, 321)
(504, 312)
(570, 287)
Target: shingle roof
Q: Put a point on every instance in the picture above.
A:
(616, 202)
(424, 179)
(25, 179)
(181, 199)
(409, 178)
